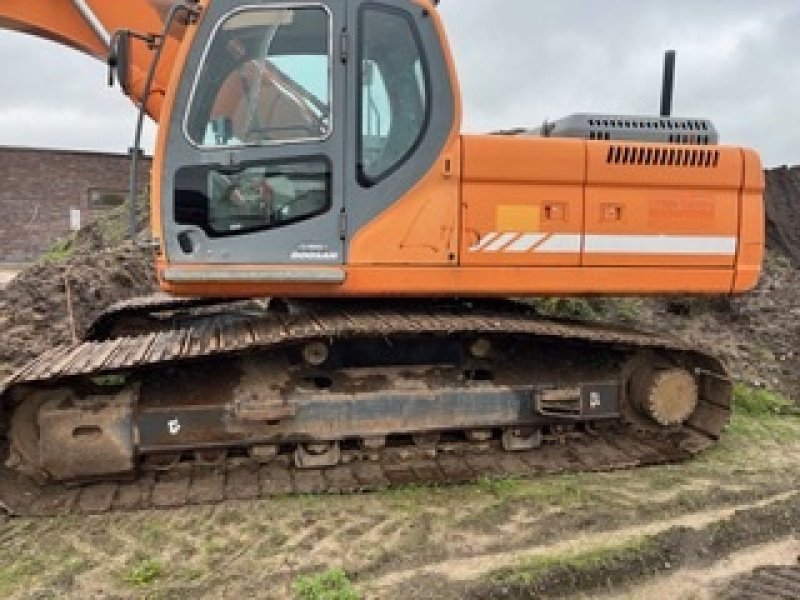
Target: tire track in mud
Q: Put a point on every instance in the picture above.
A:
(470, 568)
(728, 578)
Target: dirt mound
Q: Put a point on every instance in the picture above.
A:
(757, 334)
(783, 211)
(97, 266)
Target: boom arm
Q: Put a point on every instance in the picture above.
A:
(87, 25)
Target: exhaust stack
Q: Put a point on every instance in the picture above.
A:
(668, 87)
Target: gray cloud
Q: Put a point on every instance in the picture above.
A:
(56, 97)
(738, 63)
(520, 62)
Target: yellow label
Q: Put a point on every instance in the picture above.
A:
(518, 218)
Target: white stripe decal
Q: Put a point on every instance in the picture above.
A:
(660, 244)
(501, 242)
(558, 244)
(668, 245)
(485, 241)
(525, 243)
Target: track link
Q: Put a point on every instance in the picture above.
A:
(241, 479)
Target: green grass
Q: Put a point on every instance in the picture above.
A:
(60, 251)
(568, 308)
(499, 487)
(534, 569)
(332, 584)
(15, 575)
(761, 403)
(143, 572)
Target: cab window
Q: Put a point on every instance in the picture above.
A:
(394, 92)
(265, 79)
(254, 197)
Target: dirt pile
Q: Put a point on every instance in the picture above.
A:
(783, 211)
(757, 334)
(98, 267)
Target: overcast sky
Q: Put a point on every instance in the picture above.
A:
(520, 62)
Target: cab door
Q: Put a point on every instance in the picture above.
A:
(403, 151)
(253, 165)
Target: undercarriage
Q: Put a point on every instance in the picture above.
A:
(175, 402)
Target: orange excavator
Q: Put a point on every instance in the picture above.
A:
(311, 153)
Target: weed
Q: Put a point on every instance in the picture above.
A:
(333, 584)
(15, 574)
(143, 572)
(533, 569)
(567, 308)
(499, 486)
(761, 403)
(60, 251)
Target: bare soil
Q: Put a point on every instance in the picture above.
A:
(6, 275)
(85, 273)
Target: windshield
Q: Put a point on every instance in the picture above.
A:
(265, 78)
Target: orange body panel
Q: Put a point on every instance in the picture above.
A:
(686, 193)
(752, 226)
(443, 282)
(527, 188)
(670, 228)
(424, 227)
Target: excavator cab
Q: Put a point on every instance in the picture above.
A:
(291, 127)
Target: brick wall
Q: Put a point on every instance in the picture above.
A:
(39, 187)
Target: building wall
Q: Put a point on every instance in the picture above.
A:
(39, 187)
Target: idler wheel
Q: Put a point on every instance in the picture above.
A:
(668, 396)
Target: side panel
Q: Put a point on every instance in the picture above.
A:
(752, 229)
(522, 201)
(655, 205)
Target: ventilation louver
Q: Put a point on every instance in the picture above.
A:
(663, 157)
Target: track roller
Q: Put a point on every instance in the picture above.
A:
(317, 455)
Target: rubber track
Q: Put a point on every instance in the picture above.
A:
(767, 583)
(238, 479)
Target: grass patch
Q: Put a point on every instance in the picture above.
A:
(60, 251)
(568, 308)
(143, 572)
(565, 491)
(504, 486)
(761, 403)
(333, 584)
(16, 574)
(533, 570)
